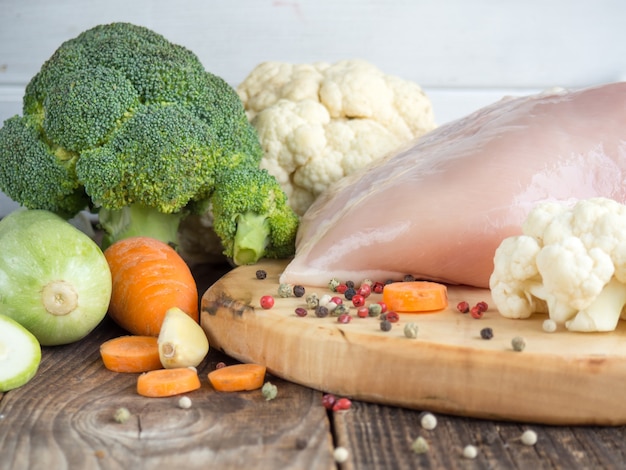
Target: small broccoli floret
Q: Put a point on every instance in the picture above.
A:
(252, 217)
(129, 125)
(35, 174)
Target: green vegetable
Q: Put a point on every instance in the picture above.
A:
(252, 216)
(124, 123)
(20, 354)
(54, 279)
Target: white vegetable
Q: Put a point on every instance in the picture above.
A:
(182, 341)
(320, 122)
(570, 262)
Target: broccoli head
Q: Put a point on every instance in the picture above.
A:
(251, 212)
(124, 123)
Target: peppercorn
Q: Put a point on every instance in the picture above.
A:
(301, 312)
(476, 312)
(341, 289)
(362, 312)
(184, 402)
(261, 274)
(410, 330)
(518, 343)
(378, 287)
(470, 452)
(328, 400)
(408, 278)
(358, 300)
(267, 301)
(312, 300)
(344, 318)
(349, 293)
(383, 306)
(365, 290)
(121, 415)
(298, 290)
(339, 310)
(350, 284)
(269, 391)
(486, 333)
(342, 404)
(333, 283)
(463, 307)
(285, 290)
(549, 326)
(368, 282)
(321, 311)
(374, 310)
(420, 445)
(529, 437)
(483, 306)
(392, 317)
(385, 325)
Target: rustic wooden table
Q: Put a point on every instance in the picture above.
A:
(63, 419)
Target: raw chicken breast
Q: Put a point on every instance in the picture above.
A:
(439, 209)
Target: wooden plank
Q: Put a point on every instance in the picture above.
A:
(63, 419)
(448, 369)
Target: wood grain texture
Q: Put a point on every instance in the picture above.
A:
(62, 419)
(448, 369)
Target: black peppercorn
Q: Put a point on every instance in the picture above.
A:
(486, 333)
(298, 290)
(261, 274)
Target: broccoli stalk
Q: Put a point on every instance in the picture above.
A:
(251, 238)
(124, 123)
(252, 216)
(138, 220)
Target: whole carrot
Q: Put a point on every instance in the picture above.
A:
(149, 277)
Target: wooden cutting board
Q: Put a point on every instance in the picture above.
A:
(559, 378)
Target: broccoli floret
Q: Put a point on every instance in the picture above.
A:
(251, 213)
(124, 123)
(36, 174)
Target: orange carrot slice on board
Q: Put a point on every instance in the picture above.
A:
(415, 296)
(131, 354)
(168, 382)
(238, 377)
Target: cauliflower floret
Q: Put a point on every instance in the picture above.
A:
(320, 122)
(570, 262)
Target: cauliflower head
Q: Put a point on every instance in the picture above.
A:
(320, 122)
(569, 262)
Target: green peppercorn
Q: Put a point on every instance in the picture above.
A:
(269, 391)
(518, 343)
(312, 300)
(373, 310)
(285, 290)
(340, 309)
(410, 330)
(333, 283)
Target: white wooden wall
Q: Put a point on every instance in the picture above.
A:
(464, 53)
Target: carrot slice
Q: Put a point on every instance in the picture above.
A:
(415, 296)
(167, 382)
(131, 354)
(238, 377)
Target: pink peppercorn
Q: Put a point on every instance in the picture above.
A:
(344, 318)
(267, 301)
(476, 312)
(301, 312)
(362, 312)
(328, 400)
(342, 404)
(392, 317)
(337, 300)
(483, 306)
(341, 289)
(383, 306)
(365, 290)
(463, 307)
(358, 300)
(378, 287)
